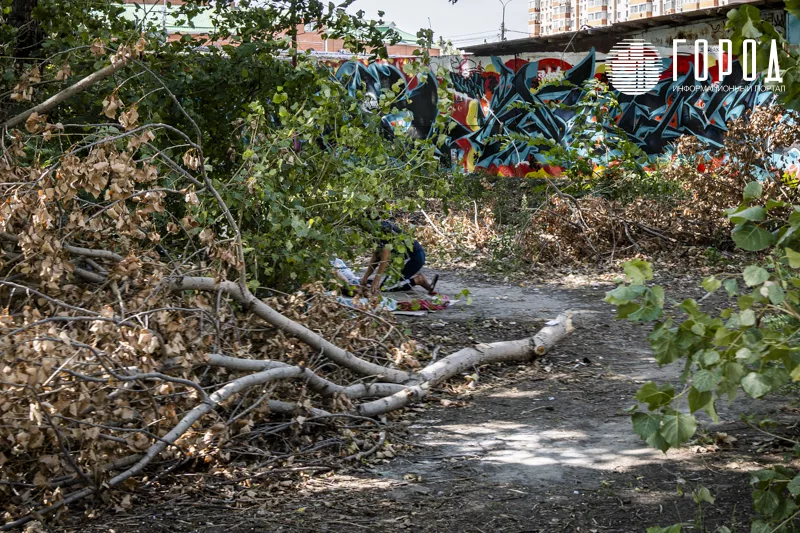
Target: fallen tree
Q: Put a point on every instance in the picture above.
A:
(133, 340)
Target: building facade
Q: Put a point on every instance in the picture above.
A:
(309, 36)
(549, 17)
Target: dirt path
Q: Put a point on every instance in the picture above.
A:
(537, 448)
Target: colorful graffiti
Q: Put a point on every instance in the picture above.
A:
(487, 105)
(487, 97)
(416, 106)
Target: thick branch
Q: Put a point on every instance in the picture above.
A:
(330, 350)
(433, 374)
(467, 358)
(317, 383)
(67, 93)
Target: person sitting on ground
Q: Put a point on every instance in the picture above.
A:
(413, 261)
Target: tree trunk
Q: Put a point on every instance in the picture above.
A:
(30, 36)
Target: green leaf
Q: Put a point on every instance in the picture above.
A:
(756, 385)
(678, 428)
(702, 494)
(749, 31)
(708, 357)
(651, 307)
(776, 204)
(671, 529)
(711, 284)
(777, 376)
(705, 380)
(794, 485)
(793, 257)
(626, 309)
(760, 526)
(623, 294)
(752, 190)
(698, 399)
(638, 271)
(731, 287)
(711, 410)
(755, 275)
(645, 424)
(664, 342)
(745, 354)
(745, 302)
(697, 328)
(655, 396)
(766, 474)
(656, 440)
(747, 317)
(734, 372)
(765, 501)
(776, 294)
(755, 214)
(751, 237)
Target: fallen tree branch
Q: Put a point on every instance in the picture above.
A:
(467, 358)
(362, 455)
(244, 297)
(430, 376)
(77, 250)
(67, 93)
(430, 221)
(316, 382)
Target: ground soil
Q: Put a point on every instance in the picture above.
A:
(542, 447)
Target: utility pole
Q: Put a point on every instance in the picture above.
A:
(503, 23)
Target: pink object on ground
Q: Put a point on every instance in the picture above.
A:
(426, 305)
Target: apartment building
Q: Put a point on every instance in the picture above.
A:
(548, 17)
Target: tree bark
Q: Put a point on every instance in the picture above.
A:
(467, 358)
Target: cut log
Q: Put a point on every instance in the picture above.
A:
(553, 332)
(481, 354)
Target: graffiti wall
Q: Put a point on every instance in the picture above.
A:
(417, 105)
(488, 98)
(496, 96)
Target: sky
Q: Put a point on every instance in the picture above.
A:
(465, 23)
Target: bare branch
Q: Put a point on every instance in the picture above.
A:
(330, 350)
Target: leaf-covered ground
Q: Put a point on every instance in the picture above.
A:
(541, 448)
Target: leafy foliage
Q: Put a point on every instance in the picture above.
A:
(745, 22)
(290, 150)
(223, 162)
(751, 346)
